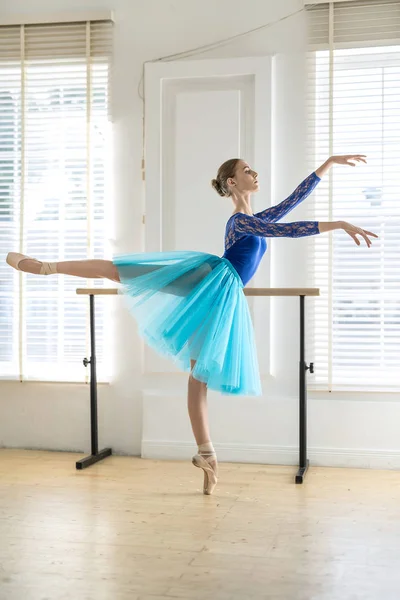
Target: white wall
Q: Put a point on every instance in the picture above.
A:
(343, 429)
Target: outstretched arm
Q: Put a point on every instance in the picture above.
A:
(247, 224)
(274, 213)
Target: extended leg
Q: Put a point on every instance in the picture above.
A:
(90, 269)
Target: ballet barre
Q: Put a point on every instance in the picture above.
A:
(303, 368)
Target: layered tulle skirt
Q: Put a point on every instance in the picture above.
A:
(191, 305)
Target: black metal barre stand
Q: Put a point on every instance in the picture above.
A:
(303, 460)
(303, 368)
(95, 455)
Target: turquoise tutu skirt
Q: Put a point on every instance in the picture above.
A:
(191, 305)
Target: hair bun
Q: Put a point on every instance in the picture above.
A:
(217, 187)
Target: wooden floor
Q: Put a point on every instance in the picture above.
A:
(130, 529)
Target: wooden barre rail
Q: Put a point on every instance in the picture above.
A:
(97, 455)
(247, 291)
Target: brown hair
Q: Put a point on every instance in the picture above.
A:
(226, 170)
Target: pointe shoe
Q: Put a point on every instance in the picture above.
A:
(14, 258)
(202, 461)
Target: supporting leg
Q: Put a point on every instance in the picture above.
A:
(95, 455)
(198, 409)
(303, 461)
(206, 457)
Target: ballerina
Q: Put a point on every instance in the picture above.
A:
(190, 306)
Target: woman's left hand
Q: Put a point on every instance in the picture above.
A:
(344, 159)
(348, 159)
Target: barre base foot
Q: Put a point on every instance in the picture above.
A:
(301, 473)
(93, 458)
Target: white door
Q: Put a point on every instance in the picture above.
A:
(197, 115)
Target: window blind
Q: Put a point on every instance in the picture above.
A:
(54, 192)
(353, 103)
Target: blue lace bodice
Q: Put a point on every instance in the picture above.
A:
(244, 234)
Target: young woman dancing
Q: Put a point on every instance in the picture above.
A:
(190, 306)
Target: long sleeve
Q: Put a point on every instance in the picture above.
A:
(247, 224)
(274, 213)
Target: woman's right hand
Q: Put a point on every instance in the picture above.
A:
(354, 231)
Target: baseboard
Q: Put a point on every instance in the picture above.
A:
(277, 455)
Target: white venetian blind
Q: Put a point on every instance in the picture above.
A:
(54, 195)
(353, 102)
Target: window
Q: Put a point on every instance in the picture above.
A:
(354, 107)
(54, 192)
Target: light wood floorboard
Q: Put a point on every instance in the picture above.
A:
(133, 529)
